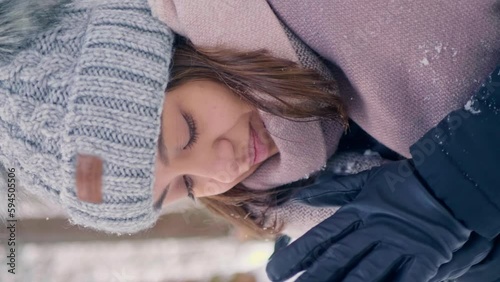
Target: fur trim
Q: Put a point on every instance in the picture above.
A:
(21, 20)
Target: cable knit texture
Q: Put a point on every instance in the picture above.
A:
(91, 84)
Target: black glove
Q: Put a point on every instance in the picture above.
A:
(394, 230)
(477, 259)
(475, 251)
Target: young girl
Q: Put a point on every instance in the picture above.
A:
(227, 145)
(404, 66)
(83, 97)
(95, 117)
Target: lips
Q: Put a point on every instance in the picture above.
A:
(260, 149)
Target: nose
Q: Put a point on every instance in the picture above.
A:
(224, 166)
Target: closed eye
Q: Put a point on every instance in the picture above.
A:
(193, 137)
(193, 130)
(188, 181)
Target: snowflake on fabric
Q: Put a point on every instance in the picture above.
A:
(124, 275)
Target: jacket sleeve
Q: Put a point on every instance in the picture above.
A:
(459, 160)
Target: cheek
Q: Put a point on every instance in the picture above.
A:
(216, 118)
(221, 111)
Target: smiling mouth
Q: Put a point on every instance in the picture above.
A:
(260, 149)
(258, 144)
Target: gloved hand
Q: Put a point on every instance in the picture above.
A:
(487, 270)
(394, 230)
(474, 253)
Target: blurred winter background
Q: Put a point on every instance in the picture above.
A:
(187, 244)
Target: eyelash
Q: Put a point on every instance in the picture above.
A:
(193, 133)
(189, 186)
(193, 130)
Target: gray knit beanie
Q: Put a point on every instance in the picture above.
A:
(93, 83)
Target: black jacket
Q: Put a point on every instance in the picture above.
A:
(459, 160)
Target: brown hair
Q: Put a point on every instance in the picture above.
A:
(281, 81)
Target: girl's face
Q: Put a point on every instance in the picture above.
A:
(207, 142)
